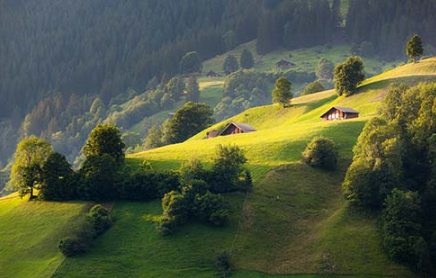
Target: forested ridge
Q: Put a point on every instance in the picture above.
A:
(57, 57)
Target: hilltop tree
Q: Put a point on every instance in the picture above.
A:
(189, 120)
(414, 47)
(282, 93)
(230, 64)
(105, 139)
(58, 179)
(190, 63)
(348, 75)
(27, 171)
(246, 60)
(192, 89)
(324, 70)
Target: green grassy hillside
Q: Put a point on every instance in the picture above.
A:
(294, 221)
(30, 233)
(306, 230)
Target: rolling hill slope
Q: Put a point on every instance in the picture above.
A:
(294, 221)
(306, 230)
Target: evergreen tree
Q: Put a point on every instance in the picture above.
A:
(192, 89)
(348, 75)
(246, 60)
(175, 88)
(414, 48)
(58, 179)
(282, 92)
(230, 64)
(324, 70)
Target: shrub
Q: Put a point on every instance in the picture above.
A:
(210, 207)
(167, 225)
(80, 238)
(321, 152)
(312, 88)
(227, 169)
(222, 261)
(72, 246)
(175, 207)
(101, 219)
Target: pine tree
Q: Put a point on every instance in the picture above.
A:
(192, 89)
(246, 60)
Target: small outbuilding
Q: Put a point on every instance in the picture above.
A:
(236, 128)
(339, 113)
(211, 74)
(284, 64)
(211, 134)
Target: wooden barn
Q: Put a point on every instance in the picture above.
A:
(339, 113)
(284, 64)
(236, 128)
(211, 74)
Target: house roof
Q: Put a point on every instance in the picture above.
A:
(241, 126)
(284, 62)
(343, 109)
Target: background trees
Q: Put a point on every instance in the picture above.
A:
(414, 47)
(190, 63)
(324, 70)
(348, 75)
(282, 92)
(246, 60)
(230, 64)
(192, 89)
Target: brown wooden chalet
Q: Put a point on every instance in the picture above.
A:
(236, 128)
(284, 64)
(212, 74)
(339, 113)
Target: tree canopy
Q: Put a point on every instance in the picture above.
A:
(282, 92)
(27, 170)
(190, 119)
(230, 64)
(414, 47)
(105, 139)
(348, 75)
(246, 60)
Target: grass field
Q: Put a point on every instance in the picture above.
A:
(294, 221)
(30, 233)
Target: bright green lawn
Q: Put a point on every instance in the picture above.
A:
(30, 233)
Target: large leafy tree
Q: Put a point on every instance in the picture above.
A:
(190, 63)
(30, 156)
(230, 64)
(99, 174)
(246, 60)
(58, 179)
(348, 75)
(414, 47)
(189, 120)
(282, 93)
(105, 139)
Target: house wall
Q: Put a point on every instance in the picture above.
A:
(231, 130)
(339, 115)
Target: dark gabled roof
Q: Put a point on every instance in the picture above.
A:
(284, 62)
(343, 109)
(243, 127)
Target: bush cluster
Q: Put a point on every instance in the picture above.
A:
(321, 152)
(84, 230)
